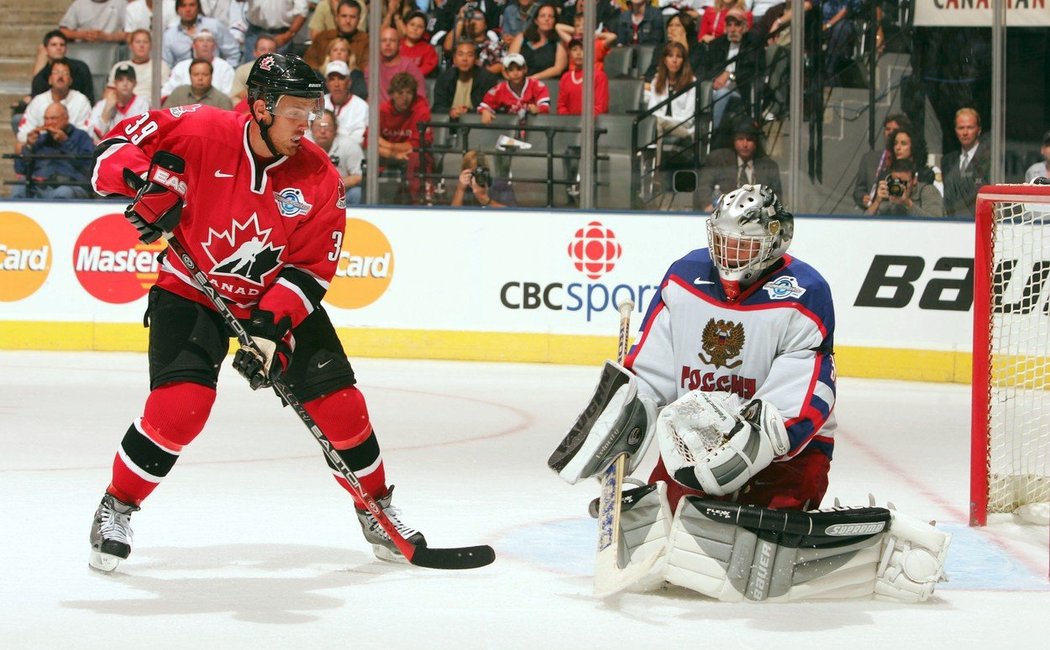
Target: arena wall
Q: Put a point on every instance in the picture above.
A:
(528, 286)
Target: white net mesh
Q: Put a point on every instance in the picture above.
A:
(1019, 388)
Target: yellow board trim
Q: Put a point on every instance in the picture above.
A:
(878, 363)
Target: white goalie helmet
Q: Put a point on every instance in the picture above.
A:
(748, 232)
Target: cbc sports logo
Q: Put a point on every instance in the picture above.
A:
(593, 250)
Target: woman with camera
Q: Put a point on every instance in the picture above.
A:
(901, 193)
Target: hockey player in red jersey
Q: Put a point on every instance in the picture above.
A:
(736, 355)
(261, 211)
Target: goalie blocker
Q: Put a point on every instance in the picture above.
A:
(735, 552)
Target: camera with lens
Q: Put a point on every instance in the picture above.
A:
(334, 159)
(482, 176)
(896, 187)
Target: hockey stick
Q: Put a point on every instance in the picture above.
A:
(469, 557)
(610, 576)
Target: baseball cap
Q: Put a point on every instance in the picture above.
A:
(337, 67)
(124, 71)
(513, 58)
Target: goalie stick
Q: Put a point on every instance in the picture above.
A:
(468, 557)
(611, 574)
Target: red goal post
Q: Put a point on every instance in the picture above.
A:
(1010, 443)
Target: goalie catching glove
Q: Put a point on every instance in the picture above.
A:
(709, 442)
(275, 342)
(157, 207)
(616, 421)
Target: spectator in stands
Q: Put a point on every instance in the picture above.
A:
(118, 102)
(347, 20)
(760, 7)
(774, 29)
(477, 186)
(140, 44)
(901, 193)
(570, 89)
(391, 64)
(641, 24)
(713, 21)
(840, 34)
(281, 19)
(179, 38)
(905, 144)
(461, 88)
(339, 50)
(681, 28)
(733, 63)
(518, 94)
(672, 99)
(545, 58)
(966, 170)
(264, 44)
(875, 164)
(603, 41)
(345, 155)
(94, 21)
(472, 27)
(414, 45)
(56, 136)
(516, 17)
(399, 136)
(54, 49)
(203, 50)
(1040, 169)
(746, 163)
(78, 108)
(323, 18)
(200, 89)
(351, 112)
(139, 15)
(396, 13)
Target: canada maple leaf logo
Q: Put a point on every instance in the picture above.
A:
(244, 251)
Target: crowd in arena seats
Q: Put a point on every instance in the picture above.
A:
(711, 70)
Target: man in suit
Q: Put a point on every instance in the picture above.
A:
(965, 171)
(745, 164)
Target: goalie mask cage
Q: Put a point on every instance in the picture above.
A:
(1010, 446)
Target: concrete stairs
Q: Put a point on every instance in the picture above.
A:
(23, 25)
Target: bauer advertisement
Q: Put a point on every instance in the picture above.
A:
(544, 276)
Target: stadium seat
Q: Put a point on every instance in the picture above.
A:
(619, 62)
(625, 96)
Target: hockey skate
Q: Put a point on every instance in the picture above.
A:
(383, 547)
(110, 533)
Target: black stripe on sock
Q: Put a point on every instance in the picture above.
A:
(145, 453)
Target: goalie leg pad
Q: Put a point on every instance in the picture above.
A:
(912, 561)
(733, 552)
(616, 421)
(645, 523)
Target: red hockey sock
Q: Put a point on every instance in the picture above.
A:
(343, 417)
(173, 416)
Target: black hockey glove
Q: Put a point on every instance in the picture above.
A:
(275, 342)
(157, 207)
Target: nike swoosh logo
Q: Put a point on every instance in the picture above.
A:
(702, 281)
(322, 364)
(219, 174)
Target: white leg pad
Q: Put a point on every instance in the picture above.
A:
(912, 562)
(644, 527)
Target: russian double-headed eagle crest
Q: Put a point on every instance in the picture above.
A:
(722, 340)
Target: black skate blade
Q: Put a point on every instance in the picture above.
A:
(467, 557)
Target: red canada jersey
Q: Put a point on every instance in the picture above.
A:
(501, 99)
(266, 233)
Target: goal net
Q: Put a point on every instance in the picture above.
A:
(1010, 451)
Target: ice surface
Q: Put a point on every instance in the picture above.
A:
(249, 542)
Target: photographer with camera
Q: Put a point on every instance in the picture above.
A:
(476, 178)
(901, 193)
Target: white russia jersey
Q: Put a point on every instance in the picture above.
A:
(774, 343)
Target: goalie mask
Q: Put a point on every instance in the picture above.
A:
(748, 232)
